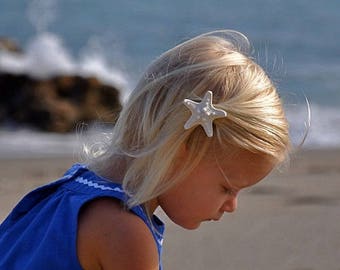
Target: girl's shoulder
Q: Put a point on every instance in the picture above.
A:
(109, 236)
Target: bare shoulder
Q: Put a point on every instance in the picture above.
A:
(110, 237)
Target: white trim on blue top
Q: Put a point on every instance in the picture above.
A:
(89, 183)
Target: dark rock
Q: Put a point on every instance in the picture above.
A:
(57, 104)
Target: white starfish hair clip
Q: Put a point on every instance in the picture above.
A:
(203, 113)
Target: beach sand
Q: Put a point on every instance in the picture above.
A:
(289, 221)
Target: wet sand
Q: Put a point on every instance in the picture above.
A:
(289, 221)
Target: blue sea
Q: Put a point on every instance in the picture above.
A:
(297, 42)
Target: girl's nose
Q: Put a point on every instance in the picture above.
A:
(230, 205)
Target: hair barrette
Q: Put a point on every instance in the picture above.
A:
(203, 113)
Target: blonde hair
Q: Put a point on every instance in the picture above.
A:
(150, 132)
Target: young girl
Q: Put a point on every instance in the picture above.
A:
(203, 123)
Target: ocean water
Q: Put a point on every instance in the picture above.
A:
(297, 42)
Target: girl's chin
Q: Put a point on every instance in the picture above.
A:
(193, 226)
(189, 226)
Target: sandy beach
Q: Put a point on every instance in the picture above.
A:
(290, 221)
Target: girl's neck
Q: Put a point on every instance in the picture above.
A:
(116, 172)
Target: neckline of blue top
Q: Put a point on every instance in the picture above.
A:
(86, 180)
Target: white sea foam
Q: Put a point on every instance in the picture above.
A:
(32, 144)
(324, 131)
(46, 56)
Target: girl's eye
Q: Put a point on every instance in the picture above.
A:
(230, 192)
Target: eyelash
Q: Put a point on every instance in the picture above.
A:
(229, 191)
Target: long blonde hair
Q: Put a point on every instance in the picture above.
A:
(149, 131)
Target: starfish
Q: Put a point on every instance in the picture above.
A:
(203, 113)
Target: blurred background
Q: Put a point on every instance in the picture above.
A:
(297, 42)
(65, 62)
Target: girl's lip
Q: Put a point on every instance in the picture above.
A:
(212, 219)
(218, 218)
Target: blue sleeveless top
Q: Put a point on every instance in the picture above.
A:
(40, 233)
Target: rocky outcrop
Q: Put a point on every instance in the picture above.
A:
(56, 104)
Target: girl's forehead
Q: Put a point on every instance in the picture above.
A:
(232, 154)
(244, 168)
